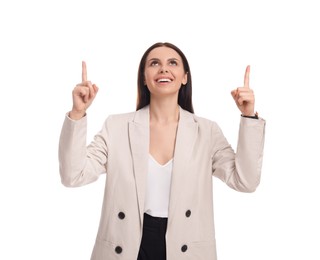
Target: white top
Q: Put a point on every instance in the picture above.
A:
(158, 188)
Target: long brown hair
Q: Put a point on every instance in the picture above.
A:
(185, 92)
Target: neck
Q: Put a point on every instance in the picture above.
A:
(164, 111)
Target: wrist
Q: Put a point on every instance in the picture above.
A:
(76, 115)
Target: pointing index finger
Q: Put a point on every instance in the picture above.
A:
(84, 71)
(246, 77)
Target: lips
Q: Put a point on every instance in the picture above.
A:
(163, 80)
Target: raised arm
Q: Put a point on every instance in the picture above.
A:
(81, 164)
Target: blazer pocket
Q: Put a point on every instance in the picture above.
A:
(202, 250)
(104, 249)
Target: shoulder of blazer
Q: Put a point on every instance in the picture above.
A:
(140, 116)
(121, 118)
(205, 122)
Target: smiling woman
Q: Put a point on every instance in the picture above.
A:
(177, 59)
(160, 160)
(164, 76)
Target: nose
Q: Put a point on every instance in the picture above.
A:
(164, 69)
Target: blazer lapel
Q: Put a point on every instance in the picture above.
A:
(139, 143)
(139, 134)
(186, 136)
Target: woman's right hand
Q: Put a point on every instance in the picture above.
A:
(83, 95)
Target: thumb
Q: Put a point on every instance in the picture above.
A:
(95, 88)
(234, 93)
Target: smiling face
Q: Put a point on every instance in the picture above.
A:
(164, 72)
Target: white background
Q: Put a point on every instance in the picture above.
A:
(41, 49)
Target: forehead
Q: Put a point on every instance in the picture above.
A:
(163, 53)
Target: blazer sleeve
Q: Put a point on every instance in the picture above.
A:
(80, 164)
(241, 170)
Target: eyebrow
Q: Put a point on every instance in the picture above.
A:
(170, 59)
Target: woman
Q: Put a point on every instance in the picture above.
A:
(159, 162)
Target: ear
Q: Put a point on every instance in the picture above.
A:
(185, 79)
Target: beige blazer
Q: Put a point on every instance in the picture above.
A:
(121, 150)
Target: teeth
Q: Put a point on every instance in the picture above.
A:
(163, 80)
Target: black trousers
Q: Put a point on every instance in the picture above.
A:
(153, 244)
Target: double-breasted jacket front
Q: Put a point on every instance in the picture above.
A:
(121, 150)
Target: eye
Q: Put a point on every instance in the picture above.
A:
(173, 63)
(154, 63)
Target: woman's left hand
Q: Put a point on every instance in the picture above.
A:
(244, 96)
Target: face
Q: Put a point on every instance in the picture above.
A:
(164, 73)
